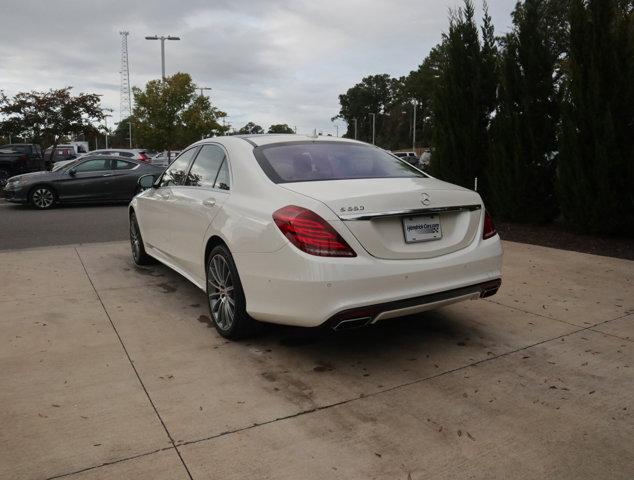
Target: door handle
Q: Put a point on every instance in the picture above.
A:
(209, 202)
(107, 175)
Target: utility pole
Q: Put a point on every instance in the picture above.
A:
(162, 38)
(337, 127)
(373, 126)
(355, 128)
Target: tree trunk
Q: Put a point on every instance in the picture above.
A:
(50, 158)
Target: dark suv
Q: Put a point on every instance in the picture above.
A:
(17, 158)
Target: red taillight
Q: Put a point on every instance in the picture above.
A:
(489, 229)
(311, 233)
(143, 157)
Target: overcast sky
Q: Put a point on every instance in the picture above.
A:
(269, 61)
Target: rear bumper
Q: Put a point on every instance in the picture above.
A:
(359, 317)
(294, 288)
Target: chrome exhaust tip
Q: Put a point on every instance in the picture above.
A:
(352, 324)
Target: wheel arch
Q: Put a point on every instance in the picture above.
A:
(213, 242)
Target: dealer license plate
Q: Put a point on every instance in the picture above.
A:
(421, 228)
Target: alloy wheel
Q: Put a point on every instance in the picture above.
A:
(221, 292)
(135, 241)
(43, 198)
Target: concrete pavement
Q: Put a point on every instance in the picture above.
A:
(112, 371)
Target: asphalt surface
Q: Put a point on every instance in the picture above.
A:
(22, 226)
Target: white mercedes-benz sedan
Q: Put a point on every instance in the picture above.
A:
(313, 231)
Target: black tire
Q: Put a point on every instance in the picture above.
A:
(42, 197)
(225, 297)
(139, 255)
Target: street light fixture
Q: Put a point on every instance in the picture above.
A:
(162, 38)
(202, 89)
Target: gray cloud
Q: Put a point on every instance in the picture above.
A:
(268, 61)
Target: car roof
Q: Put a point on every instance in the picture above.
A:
(267, 138)
(119, 150)
(88, 156)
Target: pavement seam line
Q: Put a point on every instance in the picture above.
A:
(553, 318)
(113, 462)
(125, 350)
(395, 387)
(612, 335)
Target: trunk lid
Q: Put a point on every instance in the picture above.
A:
(373, 210)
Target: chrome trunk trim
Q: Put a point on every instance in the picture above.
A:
(415, 211)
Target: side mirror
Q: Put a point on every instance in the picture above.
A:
(146, 181)
(72, 172)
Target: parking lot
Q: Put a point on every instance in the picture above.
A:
(108, 370)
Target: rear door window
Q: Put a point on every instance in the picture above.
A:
(222, 180)
(95, 165)
(205, 168)
(177, 171)
(318, 161)
(123, 165)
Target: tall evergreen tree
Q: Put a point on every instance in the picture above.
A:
(463, 100)
(522, 159)
(596, 174)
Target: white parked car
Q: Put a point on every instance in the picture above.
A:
(313, 231)
(134, 153)
(163, 159)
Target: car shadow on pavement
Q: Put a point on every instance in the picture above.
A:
(407, 338)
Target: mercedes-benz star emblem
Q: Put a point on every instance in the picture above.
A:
(425, 199)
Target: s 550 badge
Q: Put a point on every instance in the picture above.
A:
(356, 208)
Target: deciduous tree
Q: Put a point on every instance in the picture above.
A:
(168, 114)
(51, 114)
(251, 128)
(280, 128)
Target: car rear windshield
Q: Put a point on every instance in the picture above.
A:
(315, 161)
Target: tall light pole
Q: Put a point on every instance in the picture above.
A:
(355, 127)
(105, 122)
(162, 38)
(373, 126)
(202, 89)
(415, 103)
(336, 126)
